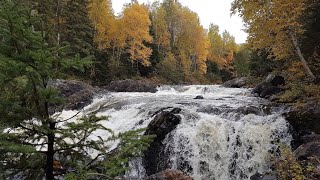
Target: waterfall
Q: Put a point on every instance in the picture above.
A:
(227, 135)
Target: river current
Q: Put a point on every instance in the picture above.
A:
(227, 135)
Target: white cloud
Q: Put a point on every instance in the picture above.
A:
(209, 11)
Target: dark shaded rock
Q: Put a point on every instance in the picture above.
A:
(199, 97)
(308, 155)
(270, 91)
(263, 177)
(155, 159)
(236, 83)
(249, 110)
(175, 110)
(76, 94)
(275, 80)
(306, 118)
(169, 175)
(163, 124)
(303, 121)
(309, 148)
(131, 86)
(270, 87)
(261, 87)
(311, 138)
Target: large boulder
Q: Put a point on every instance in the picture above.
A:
(155, 158)
(236, 83)
(76, 94)
(270, 86)
(169, 175)
(303, 120)
(309, 148)
(308, 155)
(306, 118)
(129, 85)
(261, 87)
(275, 80)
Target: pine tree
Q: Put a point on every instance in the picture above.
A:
(78, 30)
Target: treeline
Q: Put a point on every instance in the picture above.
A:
(164, 41)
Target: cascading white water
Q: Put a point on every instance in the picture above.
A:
(215, 139)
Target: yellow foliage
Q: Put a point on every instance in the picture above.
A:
(136, 28)
(294, 71)
(221, 48)
(162, 35)
(270, 22)
(288, 167)
(103, 20)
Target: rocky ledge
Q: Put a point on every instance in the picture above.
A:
(236, 83)
(76, 94)
(129, 85)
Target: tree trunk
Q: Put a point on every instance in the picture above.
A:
(298, 51)
(50, 152)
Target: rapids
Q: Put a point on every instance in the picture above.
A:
(218, 137)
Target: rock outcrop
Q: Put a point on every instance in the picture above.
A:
(155, 159)
(308, 155)
(236, 83)
(129, 85)
(270, 86)
(76, 94)
(305, 119)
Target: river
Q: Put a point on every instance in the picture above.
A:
(227, 135)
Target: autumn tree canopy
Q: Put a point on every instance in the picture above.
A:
(274, 25)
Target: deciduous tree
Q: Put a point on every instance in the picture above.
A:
(274, 25)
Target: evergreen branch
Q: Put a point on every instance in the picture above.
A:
(65, 120)
(72, 147)
(35, 131)
(92, 161)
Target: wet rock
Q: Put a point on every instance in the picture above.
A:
(236, 83)
(249, 110)
(131, 86)
(199, 97)
(155, 159)
(76, 94)
(210, 110)
(175, 110)
(169, 175)
(263, 177)
(164, 123)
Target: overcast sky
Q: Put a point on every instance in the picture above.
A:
(209, 11)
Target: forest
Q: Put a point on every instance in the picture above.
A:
(161, 42)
